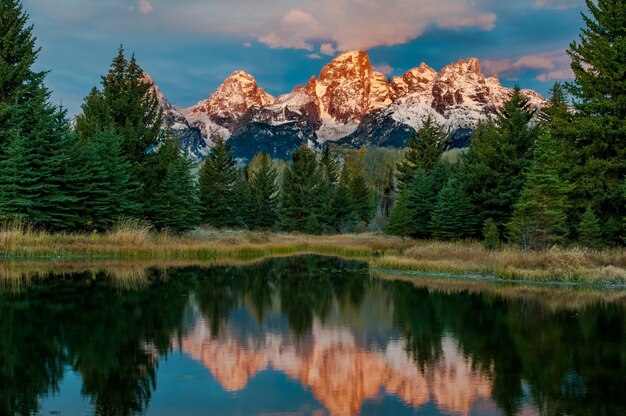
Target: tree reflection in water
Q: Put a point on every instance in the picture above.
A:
(326, 323)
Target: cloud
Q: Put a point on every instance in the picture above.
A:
(557, 4)
(328, 49)
(246, 45)
(552, 65)
(314, 56)
(363, 24)
(384, 68)
(145, 6)
(484, 21)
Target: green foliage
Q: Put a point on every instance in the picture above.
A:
(264, 189)
(491, 235)
(453, 215)
(100, 179)
(492, 171)
(174, 201)
(312, 225)
(95, 117)
(589, 232)
(598, 62)
(539, 220)
(342, 208)
(424, 150)
(216, 181)
(330, 168)
(420, 203)
(362, 199)
(303, 191)
(401, 219)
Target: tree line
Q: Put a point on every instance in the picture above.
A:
(535, 177)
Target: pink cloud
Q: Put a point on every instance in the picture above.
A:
(553, 65)
(145, 6)
(384, 68)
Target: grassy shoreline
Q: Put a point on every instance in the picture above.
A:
(382, 252)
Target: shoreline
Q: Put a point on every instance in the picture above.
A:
(573, 265)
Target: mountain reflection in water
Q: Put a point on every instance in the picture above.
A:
(321, 335)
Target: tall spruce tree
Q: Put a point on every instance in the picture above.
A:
(539, 219)
(420, 203)
(33, 149)
(100, 179)
(362, 198)
(423, 152)
(217, 179)
(492, 170)
(453, 215)
(174, 201)
(264, 189)
(589, 232)
(598, 62)
(303, 192)
(345, 217)
(400, 221)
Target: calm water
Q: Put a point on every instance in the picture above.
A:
(301, 336)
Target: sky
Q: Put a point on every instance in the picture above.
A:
(190, 46)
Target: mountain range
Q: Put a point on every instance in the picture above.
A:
(349, 103)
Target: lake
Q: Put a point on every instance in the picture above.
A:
(304, 335)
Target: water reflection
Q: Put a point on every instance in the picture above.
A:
(351, 341)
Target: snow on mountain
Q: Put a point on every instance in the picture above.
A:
(347, 103)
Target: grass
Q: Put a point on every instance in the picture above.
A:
(133, 240)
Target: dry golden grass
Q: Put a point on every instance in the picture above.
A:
(134, 240)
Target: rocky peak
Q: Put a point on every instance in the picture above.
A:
(416, 80)
(343, 87)
(237, 94)
(461, 83)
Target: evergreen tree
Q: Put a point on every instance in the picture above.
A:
(598, 62)
(539, 220)
(400, 220)
(589, 232)
(491, 235)
(387, 194)
(33, 149)
(244, 205)
(264, 192)
(216, 181)
(423, 151)
(312, 225)
(174, 201)
(492, 170)
(134, 108)
(345, 217)
(362, 199)
(17, 56)
(330, 167)
(420, 202)
(100, 179)
(453, 216)
(95, 117)
(303, 188)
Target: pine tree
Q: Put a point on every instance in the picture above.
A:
(95, 117)
(345, 217)
(453, 216)
(33, 132)
(491, 235)
(362, 199)
(244, 205)
(303, 191)
(598, 62)
(174, 200)
(423, 151)
(387, 194)
(589, 232)
(216, 181)
(134, 108)
(264, 189)
(330, 167)
(401, 219)
(492, 170)
(539, 219)
(100, 179)
(420, 203)
(17, 56)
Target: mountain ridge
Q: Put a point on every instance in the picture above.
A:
(348, 103)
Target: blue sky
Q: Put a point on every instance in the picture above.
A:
(190, 46)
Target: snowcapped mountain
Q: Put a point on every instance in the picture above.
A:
(348, 103)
